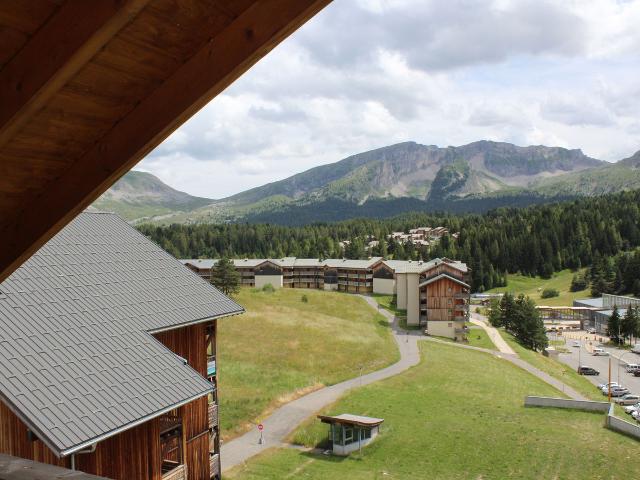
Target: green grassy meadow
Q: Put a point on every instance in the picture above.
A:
(554, 368)
(478, 338)
(283, 347)
(459, 414)
(533, 287)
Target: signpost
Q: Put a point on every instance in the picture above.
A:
(260, 429)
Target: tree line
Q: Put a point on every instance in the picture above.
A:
(537, 240)
(520, 317)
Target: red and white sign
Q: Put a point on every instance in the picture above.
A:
(260, 426)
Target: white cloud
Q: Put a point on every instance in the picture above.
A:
(365, 74)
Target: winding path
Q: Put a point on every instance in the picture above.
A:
(493, 333)
(286, 418)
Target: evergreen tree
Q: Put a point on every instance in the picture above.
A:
(225, 277)
(614, 325)
(629, 323)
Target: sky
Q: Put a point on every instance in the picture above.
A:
(366, 74)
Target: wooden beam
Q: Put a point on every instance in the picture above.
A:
(64, 44)
(250, 37)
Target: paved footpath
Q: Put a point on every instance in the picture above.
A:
(286, 418)
(493, 333)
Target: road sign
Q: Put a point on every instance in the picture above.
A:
(260, 426)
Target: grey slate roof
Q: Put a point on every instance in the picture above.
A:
(77, 363)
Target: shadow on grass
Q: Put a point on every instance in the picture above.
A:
(330, 458)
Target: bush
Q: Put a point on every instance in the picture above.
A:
(268, 288)
(578, 283)
(549, 293)
(305, 299)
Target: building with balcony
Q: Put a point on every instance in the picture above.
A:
(108, 361)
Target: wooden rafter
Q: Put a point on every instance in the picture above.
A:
(70, 38)
(207, 73)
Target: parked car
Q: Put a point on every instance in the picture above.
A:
(628, 399)
(631, 408)
(599, 352)
(575, 344)
(632, 367)
(635, 414)
(584, 370)
(602, 386)
(636, 348)
(616, 391)
(591, 330)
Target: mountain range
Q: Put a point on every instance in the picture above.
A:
(390, 180)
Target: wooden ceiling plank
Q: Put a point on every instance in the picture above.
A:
(207, 73)
(56, 52)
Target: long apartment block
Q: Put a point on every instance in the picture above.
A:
(435, 294)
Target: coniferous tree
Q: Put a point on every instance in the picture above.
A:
(629, 323)
(225, 277)
(614, 325)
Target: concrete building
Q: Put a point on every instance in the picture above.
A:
(349, 433)
(601, 308)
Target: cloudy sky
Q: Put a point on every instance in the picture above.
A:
(365, 74)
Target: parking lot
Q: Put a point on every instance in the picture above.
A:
(619, 360)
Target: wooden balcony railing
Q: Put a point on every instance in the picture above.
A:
(214, 465)
(213, 415)
(177, 473)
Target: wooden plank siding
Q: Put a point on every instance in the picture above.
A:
(14, 441)
(190, 343)
(132, 454)
(440, 302)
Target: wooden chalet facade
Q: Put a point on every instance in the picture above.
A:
(127, 389)
(444, 300)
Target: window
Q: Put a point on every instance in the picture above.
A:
(348, 435)
(366, 433)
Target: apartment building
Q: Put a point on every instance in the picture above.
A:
(108, 357)
(435, 294)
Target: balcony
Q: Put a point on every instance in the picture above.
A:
(211, 367)
(173, 471)
(213, 415)
(462, 296)
(214, 465)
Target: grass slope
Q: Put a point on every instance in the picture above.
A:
(459, 415)
(533, 287)
(554, 368)
(282, 347)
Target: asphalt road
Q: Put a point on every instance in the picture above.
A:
(583, 356)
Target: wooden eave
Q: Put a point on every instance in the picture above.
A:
(87, 89)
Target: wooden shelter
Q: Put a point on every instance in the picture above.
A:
(88, 88)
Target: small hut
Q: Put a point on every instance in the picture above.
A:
(351, 432)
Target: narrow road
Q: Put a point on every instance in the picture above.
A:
(286, 418)
(493, 333)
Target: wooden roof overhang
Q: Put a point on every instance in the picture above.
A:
(88, 88)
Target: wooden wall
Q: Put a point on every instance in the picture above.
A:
(440, 300)
(14, 441)
(190, 343)
(133, 454)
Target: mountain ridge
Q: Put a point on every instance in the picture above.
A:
(473, 177)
